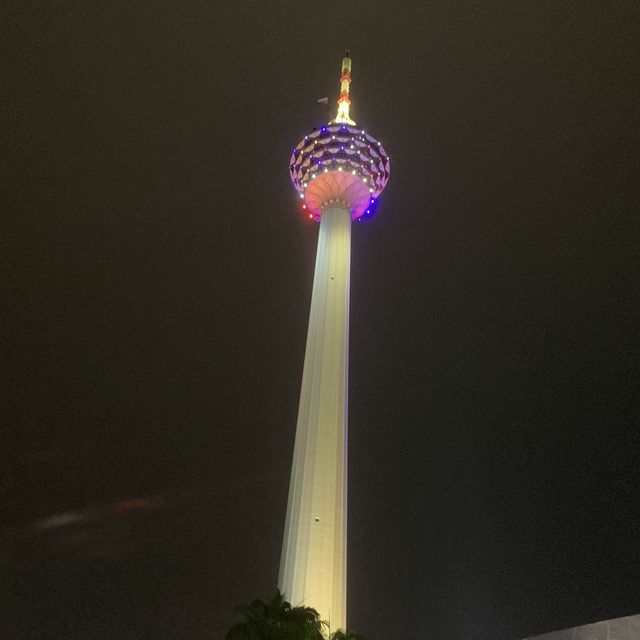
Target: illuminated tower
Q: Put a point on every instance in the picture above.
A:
(339, 171)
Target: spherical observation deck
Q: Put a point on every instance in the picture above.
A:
(339, 164)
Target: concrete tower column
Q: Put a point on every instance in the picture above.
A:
(313, 568)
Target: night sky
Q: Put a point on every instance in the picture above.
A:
(156, 281)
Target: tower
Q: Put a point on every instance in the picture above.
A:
(339, 172)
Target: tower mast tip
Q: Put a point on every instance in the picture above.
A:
(342, 116)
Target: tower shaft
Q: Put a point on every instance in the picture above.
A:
(314, 554)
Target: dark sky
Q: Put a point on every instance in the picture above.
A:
(156, 283)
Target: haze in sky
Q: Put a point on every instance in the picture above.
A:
(157, 277)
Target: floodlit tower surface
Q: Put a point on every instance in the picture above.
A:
(339, 172)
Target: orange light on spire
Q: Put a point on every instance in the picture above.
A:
(343, 100)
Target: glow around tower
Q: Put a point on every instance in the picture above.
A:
(339, 172)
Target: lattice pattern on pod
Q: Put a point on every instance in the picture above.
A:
(344, 149)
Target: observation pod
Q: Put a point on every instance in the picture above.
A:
(339, 171)
(339, 164)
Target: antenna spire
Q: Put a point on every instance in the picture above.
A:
(343, 101)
